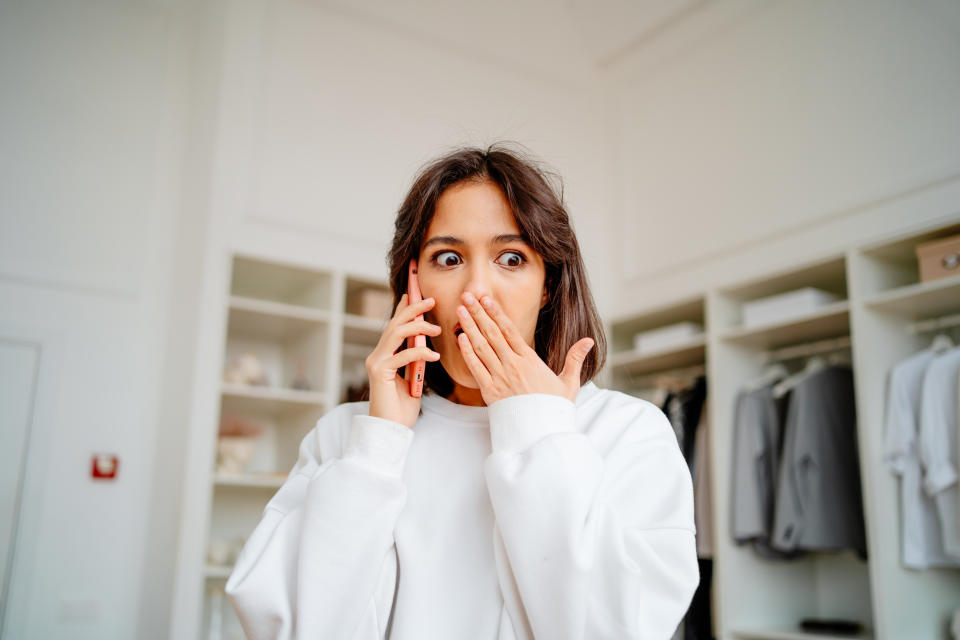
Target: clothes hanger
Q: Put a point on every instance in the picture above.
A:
(941, 342)
(813, 364)
(772, 373)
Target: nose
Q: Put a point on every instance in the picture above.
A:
(479, 280)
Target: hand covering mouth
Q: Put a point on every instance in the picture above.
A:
(457, 330)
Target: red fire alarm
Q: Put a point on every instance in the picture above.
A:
(104, 466)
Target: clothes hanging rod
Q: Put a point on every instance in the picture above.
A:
(934, 324)
(808, 349)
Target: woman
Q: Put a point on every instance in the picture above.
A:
(515, 499)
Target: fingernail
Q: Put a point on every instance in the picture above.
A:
(469, 298)
(487, 301)
(462, 312)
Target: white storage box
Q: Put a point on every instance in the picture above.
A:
(784, 306)
(673, 335)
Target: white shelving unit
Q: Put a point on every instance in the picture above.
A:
(295, 320)
(627, 368)
(890, 298)
(879, 299)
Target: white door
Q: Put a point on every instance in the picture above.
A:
(19, 363)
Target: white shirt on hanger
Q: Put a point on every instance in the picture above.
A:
(922, 540)
(938, 443)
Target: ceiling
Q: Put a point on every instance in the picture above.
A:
(549, 36)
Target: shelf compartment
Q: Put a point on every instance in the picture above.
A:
(357, 287)
(235, 511)
(272, 320)
(281, 283)
(827, 322)
(362, 330)
(828, 275)
(791, 634)
(251, 480)
(632, 363)
(623, 330)
(217, 572)
(893, 265)
(921, 300)
(357, 351)
(274, 401)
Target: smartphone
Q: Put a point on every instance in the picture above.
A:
(417, 368)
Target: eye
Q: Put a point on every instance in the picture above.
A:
(446, 258)
(514, 259)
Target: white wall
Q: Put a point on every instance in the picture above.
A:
(346, 108)
(91, 132)
(759, 134)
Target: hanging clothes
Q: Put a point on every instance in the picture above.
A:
(703, 485)
(698, 623)
(683, 407)
(819, 504)
(758, 433)
(687, 412)
(922, 542)
(938, 443)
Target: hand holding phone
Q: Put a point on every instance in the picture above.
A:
(416, 369)
(402, 344)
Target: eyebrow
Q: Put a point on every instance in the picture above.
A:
(500, 239)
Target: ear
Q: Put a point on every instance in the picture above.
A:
(545, 298)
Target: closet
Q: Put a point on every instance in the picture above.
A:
(877, 313)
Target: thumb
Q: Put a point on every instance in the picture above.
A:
(574, 362)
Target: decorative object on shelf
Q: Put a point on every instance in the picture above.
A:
(372, 302)
(300, 380)
(667, 337)
(246, 369)
(223, 552)
(234, 453)
(236, 444)
(218, 552)
(784, 306)
(939, 258)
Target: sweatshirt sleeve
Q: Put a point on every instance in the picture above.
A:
(597, 546)
(321, 562)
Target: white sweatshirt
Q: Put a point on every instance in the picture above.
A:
(535, 517)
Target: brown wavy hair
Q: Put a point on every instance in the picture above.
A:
(535, 196)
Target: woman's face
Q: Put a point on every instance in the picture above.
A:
(474, 244)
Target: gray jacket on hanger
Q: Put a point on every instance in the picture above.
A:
(819, 502)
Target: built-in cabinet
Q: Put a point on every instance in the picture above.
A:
(295, 342)
(881, 314)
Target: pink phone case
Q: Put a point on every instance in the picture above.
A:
(416, 369)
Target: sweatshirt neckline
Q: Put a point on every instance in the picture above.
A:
(479, 416)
